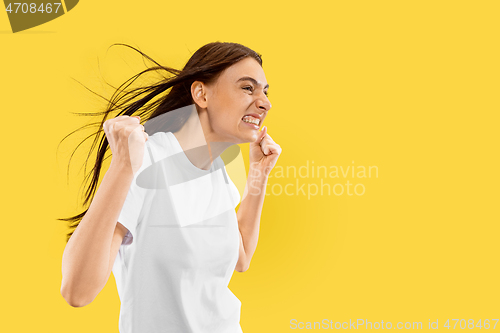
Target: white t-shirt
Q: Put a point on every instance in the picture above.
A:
(175, 263)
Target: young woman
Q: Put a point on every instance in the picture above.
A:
(163, 219)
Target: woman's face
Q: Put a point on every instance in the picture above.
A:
(239, 91)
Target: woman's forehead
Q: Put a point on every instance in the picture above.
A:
(245, 69)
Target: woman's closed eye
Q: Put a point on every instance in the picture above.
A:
(251, 89)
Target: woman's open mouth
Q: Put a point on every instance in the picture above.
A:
(251, 121)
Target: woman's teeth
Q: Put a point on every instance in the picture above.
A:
(252, 120)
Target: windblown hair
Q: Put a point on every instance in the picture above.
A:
(172, 93)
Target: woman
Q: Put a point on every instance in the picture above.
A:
(163, 219)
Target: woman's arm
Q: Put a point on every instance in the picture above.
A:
(87, 257)
(264, 153)
(91, 250)
(249, 216)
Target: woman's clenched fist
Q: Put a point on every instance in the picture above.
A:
(126, 139)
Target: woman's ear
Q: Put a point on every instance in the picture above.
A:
(198, 92)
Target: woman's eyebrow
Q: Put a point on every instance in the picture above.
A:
(248, 78)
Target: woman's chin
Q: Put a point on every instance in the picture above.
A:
(253, 135)
(249, 134)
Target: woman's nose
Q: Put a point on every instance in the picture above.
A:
(263, 103)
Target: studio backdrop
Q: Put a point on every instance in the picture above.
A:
(382, 209)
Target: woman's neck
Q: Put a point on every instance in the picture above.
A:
(193, 138)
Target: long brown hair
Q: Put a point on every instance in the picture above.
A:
(205, 65)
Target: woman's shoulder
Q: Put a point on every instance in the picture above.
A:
(158, 138)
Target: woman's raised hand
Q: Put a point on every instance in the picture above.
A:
(264, 152)
(126, 139)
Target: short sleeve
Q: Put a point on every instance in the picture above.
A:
(134, 202)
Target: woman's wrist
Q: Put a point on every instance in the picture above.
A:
(258, 171)
(257, 177)
(121, 167)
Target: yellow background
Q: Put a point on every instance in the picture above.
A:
(409, 87)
